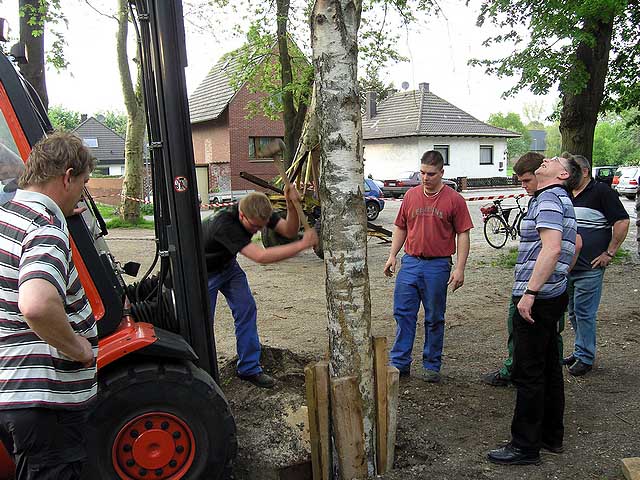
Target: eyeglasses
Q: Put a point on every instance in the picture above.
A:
(251, 224)
(559, 160)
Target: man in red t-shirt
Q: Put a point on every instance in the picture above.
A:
(432, 221)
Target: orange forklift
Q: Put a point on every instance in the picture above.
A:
(160, 413)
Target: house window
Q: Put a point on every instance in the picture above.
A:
(255, 143)
(444, 151)
(486, 154)
(90, 142)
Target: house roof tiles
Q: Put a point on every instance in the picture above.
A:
(213, 95)
(422, 113)
(110, 145)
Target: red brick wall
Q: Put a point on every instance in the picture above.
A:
(105, 190)
(211, 140)
(240, 129)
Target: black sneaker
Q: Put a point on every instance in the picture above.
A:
(261, 380)
(510, 455)
(579, 368)
(496, 379)
(570, 360)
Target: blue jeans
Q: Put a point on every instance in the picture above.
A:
(420, 281)
(585, 289)
(232, 283)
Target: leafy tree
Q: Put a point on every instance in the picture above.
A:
(63, 118)
(512, 121)
(589, 48)
(372, 82)
(617, 140)
(115, 120)
(554, 141)
(35, 16)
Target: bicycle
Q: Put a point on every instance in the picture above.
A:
(496, 222)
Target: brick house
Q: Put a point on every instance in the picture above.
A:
(224, 139)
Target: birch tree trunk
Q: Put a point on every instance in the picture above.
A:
(334, 30)
(134, 141)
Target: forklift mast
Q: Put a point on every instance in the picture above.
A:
(178, 224)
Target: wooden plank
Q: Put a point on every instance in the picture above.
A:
(631, 468)
(323, 416)
(348, 429)
(312, 406)
(380, 376)
(393, 386)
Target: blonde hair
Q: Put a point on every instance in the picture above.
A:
(256, 206)
(52, 156)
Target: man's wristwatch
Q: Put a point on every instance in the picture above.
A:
(609, 254)
(531, 292)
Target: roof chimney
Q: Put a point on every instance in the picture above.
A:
(83, 117)
(424, 87)
(370, 107)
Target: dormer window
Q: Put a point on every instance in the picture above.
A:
(90, 142)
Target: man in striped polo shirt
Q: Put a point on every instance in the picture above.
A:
(545, 255)
(48, 335)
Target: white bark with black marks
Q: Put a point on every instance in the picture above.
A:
(334, 30)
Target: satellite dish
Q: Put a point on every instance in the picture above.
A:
(405, 85)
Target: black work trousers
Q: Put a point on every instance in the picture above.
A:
(46, 444)
(537, 375)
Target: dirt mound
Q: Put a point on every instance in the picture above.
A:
(272, 434)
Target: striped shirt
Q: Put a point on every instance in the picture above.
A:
(551, 207)
(34, 243)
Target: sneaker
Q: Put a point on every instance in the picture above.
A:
(570, 360)
(261, 380)
(510, 455)
(430, 376)
(496, 379)
(579, 368)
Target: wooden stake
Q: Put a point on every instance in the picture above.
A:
(631, 468)
(380, 373)
(348, 428)
(312, 409)
(323, 408)
(393, 383)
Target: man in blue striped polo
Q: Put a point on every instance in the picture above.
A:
(48, 335)
(546, 252)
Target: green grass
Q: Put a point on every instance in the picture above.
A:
(506, 259)
(620, 257)
(111, 219)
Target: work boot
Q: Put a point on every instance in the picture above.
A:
(430, 376)
(496, 379)
(261, 380)
(569, 360)
(579, 368)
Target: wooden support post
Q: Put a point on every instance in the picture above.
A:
(348, 428)
(631, 468)
(312, 409)
(323, 412)
(393, 383)
(380, 374)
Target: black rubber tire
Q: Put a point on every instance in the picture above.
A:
(373, 210)
(630, 196)
(178, 389)
(519, 224)
(495, 231)
(318, 249)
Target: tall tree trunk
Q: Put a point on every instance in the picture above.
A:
(286, 74)
(334, 30)
(134, 141)
(31, 20)
(580, 111)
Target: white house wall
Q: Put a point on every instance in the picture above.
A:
(388, 158)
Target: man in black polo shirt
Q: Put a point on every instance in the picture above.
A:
(603, 224)
(229, 233)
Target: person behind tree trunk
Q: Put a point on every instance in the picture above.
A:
(48, 335)
(432, 220)
(230, 232)
(603, 224)
(546, 252)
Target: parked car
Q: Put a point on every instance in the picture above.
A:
(373, 199)
(398, 187)
(627, 181)
(604, 174)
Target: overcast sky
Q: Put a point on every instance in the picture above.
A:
(438, 50)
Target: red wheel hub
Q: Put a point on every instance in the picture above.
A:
(155, 445)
